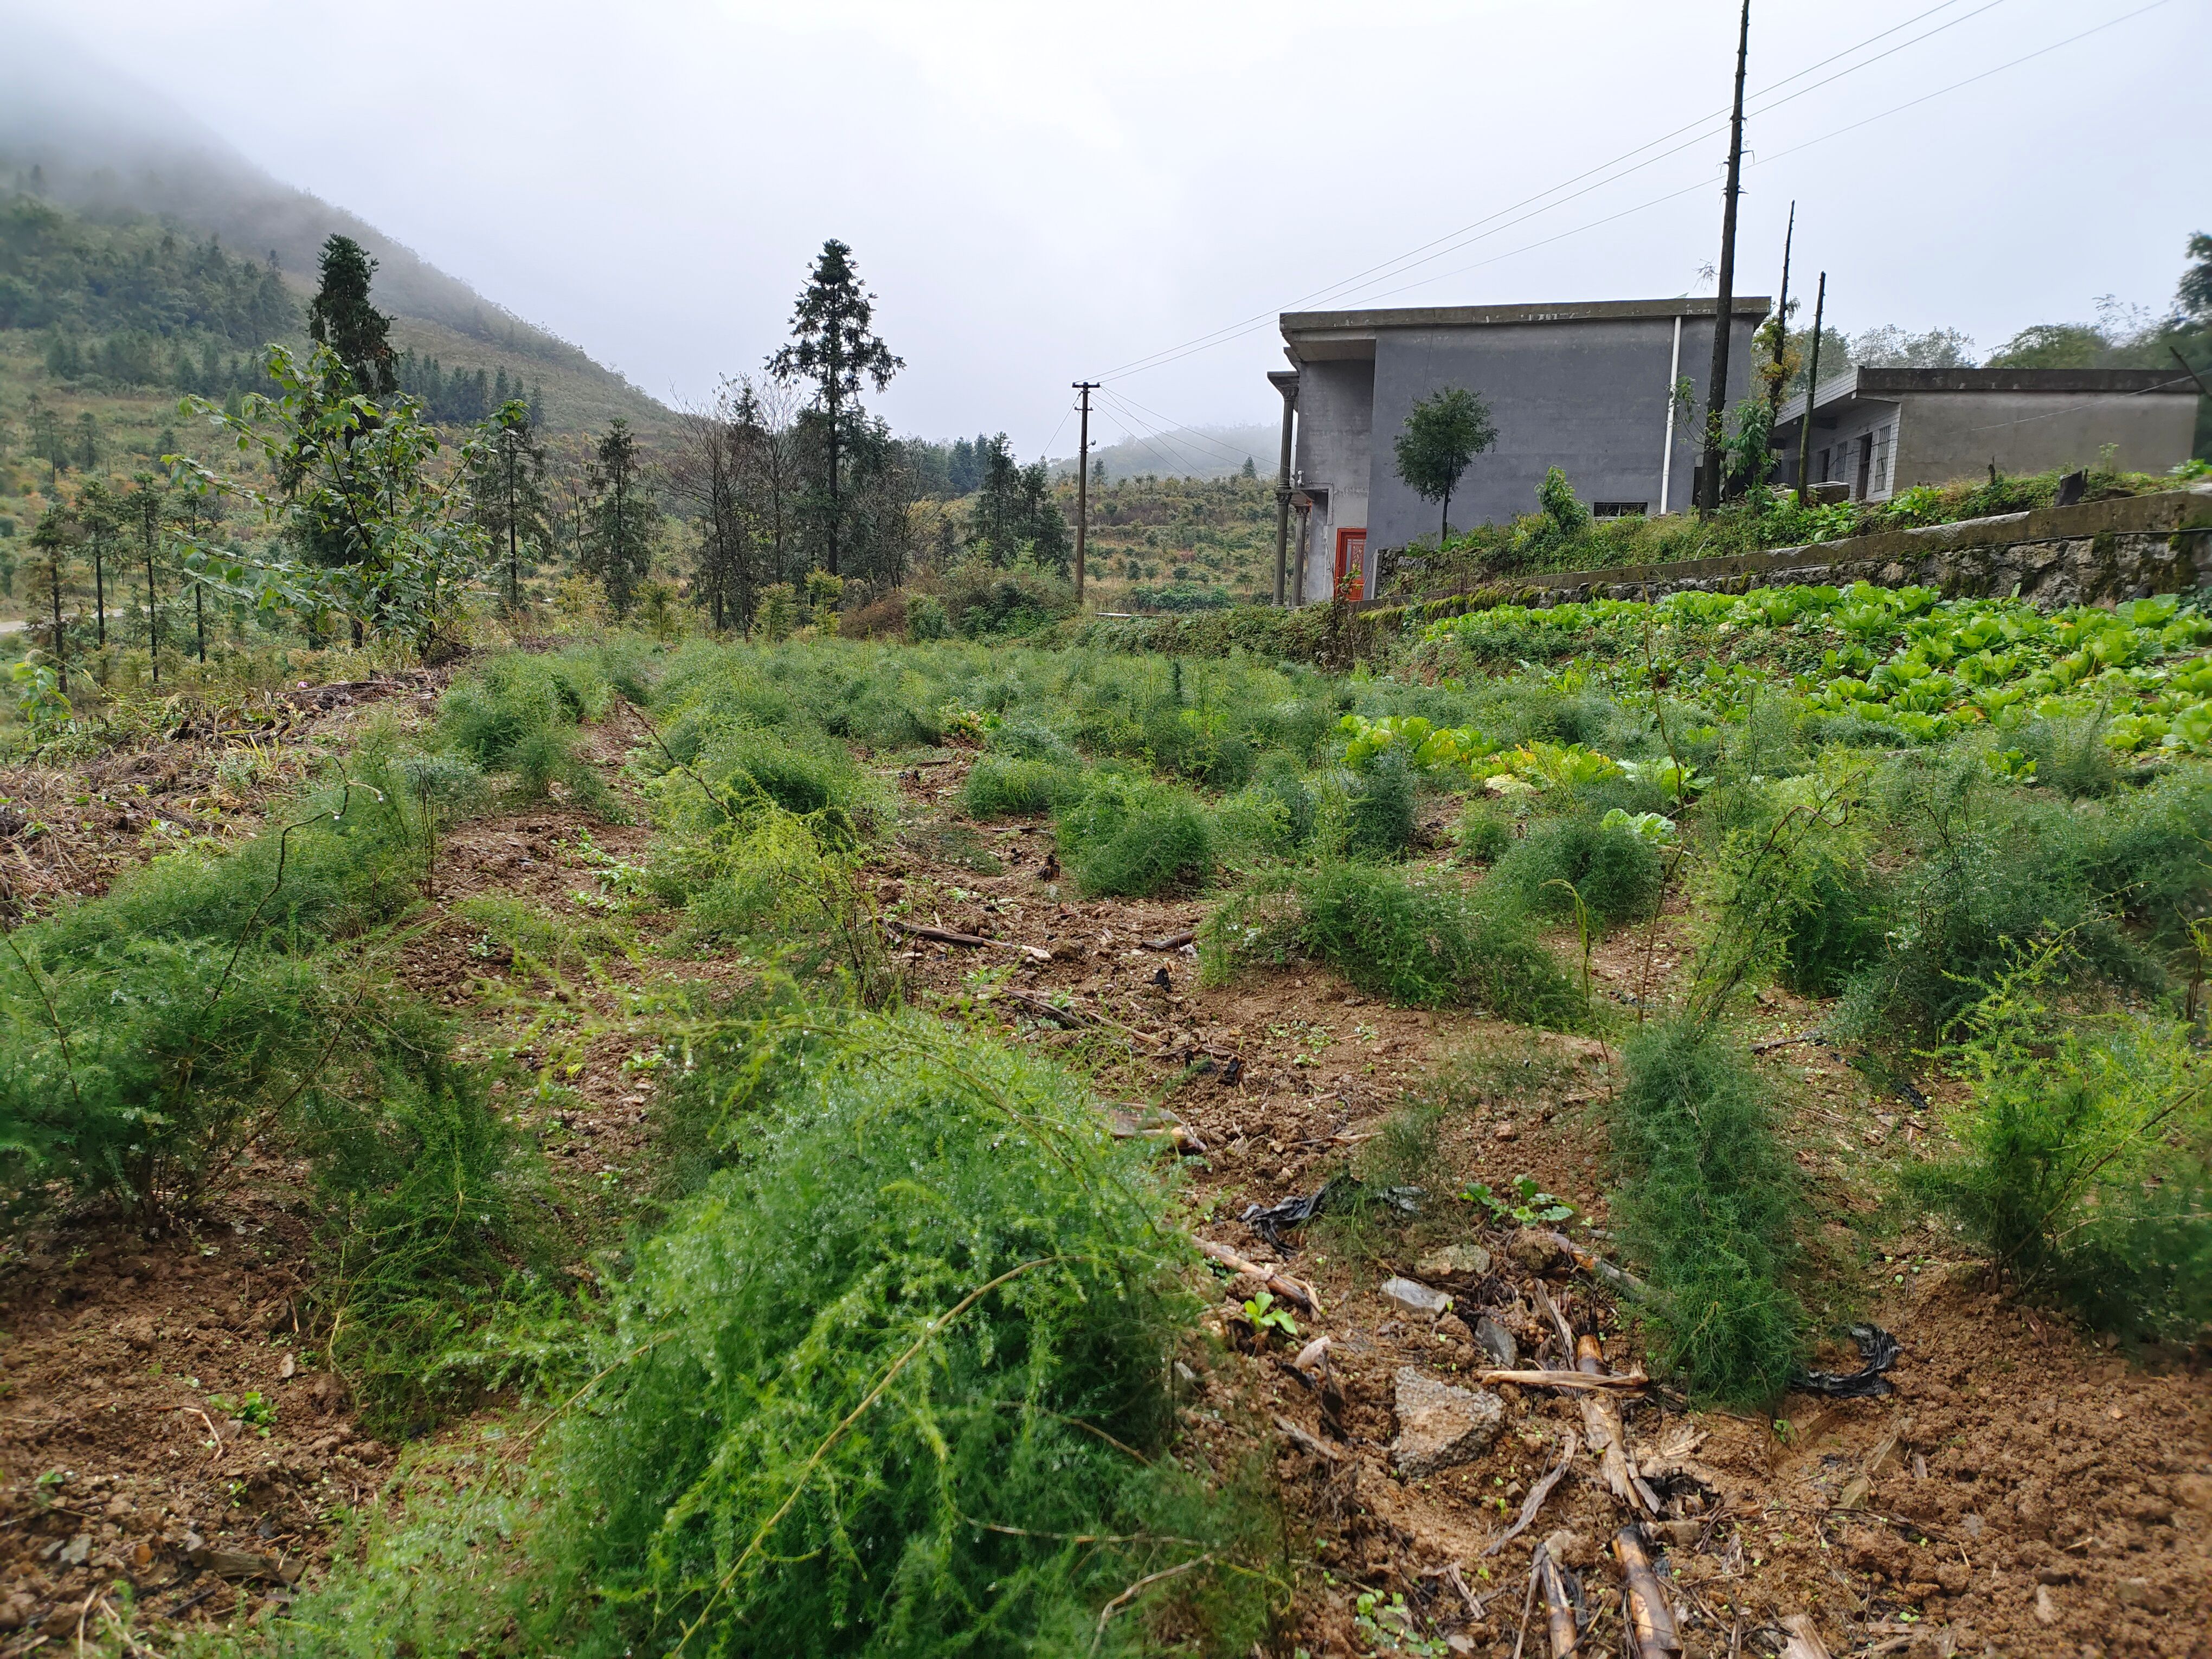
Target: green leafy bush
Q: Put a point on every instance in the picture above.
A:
(1709, 1210)
(1615, 872)
(519, 715)
(2084, 1157)
(1485, 833)
(896, 1384)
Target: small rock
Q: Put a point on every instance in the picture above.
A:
(1415, 1297)
(1455, 1262)
(1497, 1344)
(1971, 1524)
(1440, 1425)
(1505, 1131)
(1459, 1642)
(2046, 1605)
(1682, 1535)
(1569, 1549)
(2194, 1491)
(1537, 1250)
(75, 1552)
(1453, 1328)
(2143, 1593)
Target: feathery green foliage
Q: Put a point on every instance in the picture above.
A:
(1709, 1209)
(2084, 1156)
(1616, 872)
(896, 1384)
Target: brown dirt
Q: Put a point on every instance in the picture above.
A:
(2025, 1492)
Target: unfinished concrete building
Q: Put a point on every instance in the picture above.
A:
(1877, 431)
(1589, 386)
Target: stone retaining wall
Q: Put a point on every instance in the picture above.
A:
(2098, 552)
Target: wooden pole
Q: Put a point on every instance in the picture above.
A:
(1812, 385)
(1083, 484)
(1782, 319)
(1709, 496)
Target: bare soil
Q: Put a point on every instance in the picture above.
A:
(2024, 1492)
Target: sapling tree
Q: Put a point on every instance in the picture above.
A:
(507, 491)
(1441, 438)
(618, 540)
(387, 542)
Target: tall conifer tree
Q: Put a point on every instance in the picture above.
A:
(834, 344)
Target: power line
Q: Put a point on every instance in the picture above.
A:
(1442, 245)
(1263, 320)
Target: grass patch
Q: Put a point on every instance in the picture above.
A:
(1007, 787)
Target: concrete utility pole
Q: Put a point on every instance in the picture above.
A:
(1812, 385)
(1782, 315)
(1285, 382)
(1709, 496)
(1083, 484)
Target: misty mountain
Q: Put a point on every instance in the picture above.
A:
(1189, 451)
(74, 134)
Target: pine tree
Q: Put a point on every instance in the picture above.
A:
(146, 509)
(87, 440)
(99, 523)
(51, 572)
(834, 346)
(341, 317)
(507, 491)
(617, 544)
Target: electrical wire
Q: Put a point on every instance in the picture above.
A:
(1701, 126)
(1262, 321)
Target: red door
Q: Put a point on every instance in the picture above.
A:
(1351, 564)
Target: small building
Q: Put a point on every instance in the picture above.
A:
(1588, 386)
(1877, 431)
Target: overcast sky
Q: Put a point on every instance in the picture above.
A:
(1042, 193)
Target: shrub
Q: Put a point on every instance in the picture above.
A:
(1132, 839)
(1709, 1209)
(2083, 1160)
(926, 618)
(1002, 788)
(518, 715)
(897, 1383)
(1379, 815)
(750, 768)
(1485, 832)
(1616, 872)
(1417, 941)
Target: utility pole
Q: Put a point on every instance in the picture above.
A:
(1709, 496)
(1812, 385)
(1083, 484)
(1782, 320)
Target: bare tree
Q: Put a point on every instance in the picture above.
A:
(708, 474)
(766, 417)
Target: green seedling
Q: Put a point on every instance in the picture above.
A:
(1525, 1203)
(1265, 1315)
(1389, 1625)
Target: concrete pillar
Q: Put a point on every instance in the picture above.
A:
(1286, 382)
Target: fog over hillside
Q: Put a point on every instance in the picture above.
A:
(88, 139)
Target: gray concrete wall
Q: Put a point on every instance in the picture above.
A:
(1589, 397)
(1838, 433)
(1956, 434)
(1336, 416)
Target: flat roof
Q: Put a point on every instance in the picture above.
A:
(1322, 336)
(1860, 381)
